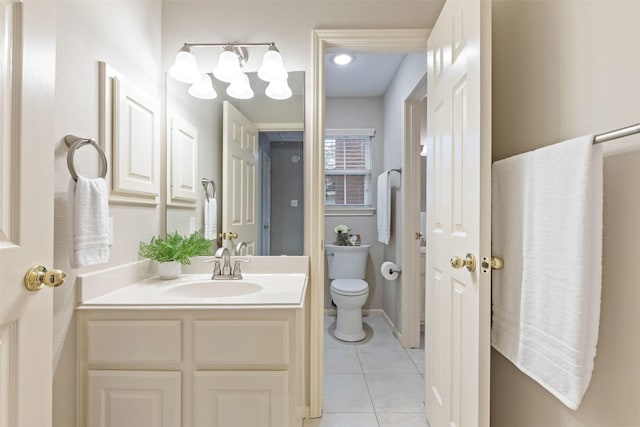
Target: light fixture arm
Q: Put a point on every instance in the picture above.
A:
(239, 49)
(231, 44)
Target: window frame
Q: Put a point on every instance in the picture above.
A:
(352, 210)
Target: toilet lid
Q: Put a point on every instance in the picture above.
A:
(349, 286)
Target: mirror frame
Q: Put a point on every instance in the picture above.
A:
(369, 40)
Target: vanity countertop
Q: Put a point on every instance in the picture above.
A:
(277, 287)
(276, 291)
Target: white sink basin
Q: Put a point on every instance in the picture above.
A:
(214, 289)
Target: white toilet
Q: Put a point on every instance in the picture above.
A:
(349, 291)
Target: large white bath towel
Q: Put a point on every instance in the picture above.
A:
(547, 224)
(90, 222)
(383, 212)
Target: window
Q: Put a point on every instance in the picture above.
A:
(347, 162)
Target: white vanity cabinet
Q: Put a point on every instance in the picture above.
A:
(190, 367)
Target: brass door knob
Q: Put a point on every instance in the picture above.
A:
(468, 261)
(38, 277)
(230, 235)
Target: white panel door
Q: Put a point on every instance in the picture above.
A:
(26, 210)
(240, 177)
(458, 216)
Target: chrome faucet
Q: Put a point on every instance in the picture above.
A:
(224, 271)
(241, 244)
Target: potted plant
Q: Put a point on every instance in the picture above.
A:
(342, 235)
(174, 251)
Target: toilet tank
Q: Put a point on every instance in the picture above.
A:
(346, 262)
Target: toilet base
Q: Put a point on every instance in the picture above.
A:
(349, 325)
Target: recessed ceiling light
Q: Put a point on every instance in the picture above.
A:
(343, 59)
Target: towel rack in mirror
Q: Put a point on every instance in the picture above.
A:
(75, 142)
(209, 183)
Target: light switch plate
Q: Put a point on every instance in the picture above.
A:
(294, 203)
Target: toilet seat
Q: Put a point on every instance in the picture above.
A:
(349, 286)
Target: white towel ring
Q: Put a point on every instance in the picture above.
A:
(75, 142)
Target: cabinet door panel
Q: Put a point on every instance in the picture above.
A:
(240, 399)
(133, 399)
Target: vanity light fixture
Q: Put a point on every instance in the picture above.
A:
(233, 58)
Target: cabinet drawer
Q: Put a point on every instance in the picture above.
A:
(242, 342)
(134, 342)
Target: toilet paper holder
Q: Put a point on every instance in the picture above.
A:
(390, 271)
(395, 270)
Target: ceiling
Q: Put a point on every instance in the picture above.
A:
(368, 75)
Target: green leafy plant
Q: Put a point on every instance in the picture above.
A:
(175, 247)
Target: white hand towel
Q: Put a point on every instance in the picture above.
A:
(383, 212)
(90, 222)
(547, 222)
(210, 219)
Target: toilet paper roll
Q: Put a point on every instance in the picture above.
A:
(388, 270)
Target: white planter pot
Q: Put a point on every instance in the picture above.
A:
(168, 270)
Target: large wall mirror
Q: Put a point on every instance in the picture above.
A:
(273, 207)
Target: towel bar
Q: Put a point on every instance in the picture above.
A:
(75, 142)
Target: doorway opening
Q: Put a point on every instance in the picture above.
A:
(385, 41)
(281, 193)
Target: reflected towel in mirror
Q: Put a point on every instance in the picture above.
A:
(210, 223)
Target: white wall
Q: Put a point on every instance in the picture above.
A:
(357, 113)
(563, 69)
(409, 74)
(126, 35)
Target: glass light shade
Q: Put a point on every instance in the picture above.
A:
(185, 69)
(278, 90)
(228, 67)
(240, 87)
(272, 68)
(203, 88)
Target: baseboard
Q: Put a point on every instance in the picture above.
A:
(302, 412)
(395, 330)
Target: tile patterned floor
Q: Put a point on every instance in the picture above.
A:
(371, 383)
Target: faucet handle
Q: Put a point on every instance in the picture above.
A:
(236, 266)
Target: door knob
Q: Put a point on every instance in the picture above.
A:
(38, 277)
(230, 235)
(468, 261)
